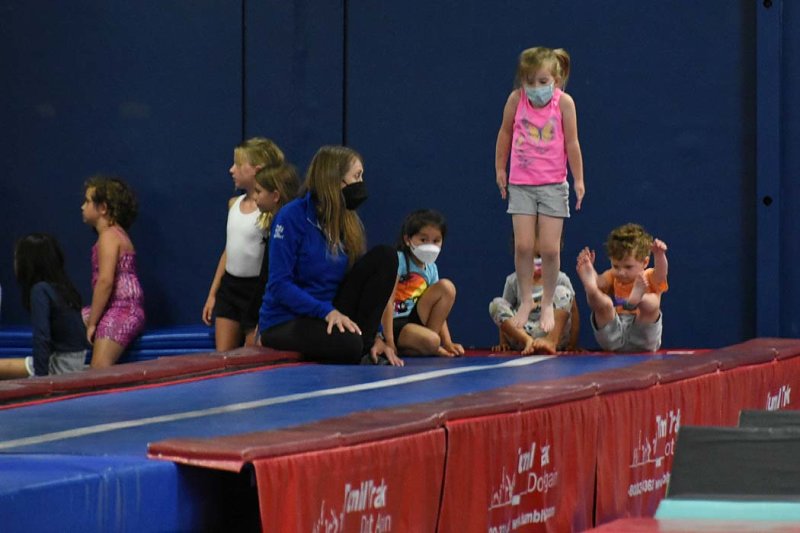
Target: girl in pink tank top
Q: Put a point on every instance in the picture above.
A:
(540, 134)
(116, 316)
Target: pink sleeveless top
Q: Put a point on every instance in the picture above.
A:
(538, 152)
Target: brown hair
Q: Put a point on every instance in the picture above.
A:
(282, 179)
(342, 227)
(629, 240)
(118, 197)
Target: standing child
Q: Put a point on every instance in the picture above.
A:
(59, 336)
(416, 321)
(237, 276)
(116, 316)
(626, 299)
(274, 188)
(540, 133)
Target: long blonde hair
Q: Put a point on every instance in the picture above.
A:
(533, 59)
(283, 179)
(260, 151)
(342, 227)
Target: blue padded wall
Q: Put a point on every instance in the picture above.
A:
(160, 92)
(294, 75)
(790, 159)
(664, 93)
(150, 91)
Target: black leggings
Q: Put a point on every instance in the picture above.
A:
(362, 296)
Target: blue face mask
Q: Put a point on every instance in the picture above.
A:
(539, 96)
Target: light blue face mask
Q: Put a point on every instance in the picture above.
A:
(539, 96)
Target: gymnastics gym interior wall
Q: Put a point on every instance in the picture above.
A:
(160, 93)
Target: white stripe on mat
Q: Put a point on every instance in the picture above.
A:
(255, 404)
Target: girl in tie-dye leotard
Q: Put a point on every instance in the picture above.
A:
(116, 316)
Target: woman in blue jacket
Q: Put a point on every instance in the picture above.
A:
(325, 296)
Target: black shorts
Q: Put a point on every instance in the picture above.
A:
(234, 298)
(399, 323)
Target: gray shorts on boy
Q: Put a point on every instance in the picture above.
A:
(625, 334)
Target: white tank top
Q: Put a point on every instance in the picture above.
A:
(244, 247)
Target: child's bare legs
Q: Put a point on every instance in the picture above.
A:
(524, 243)
(227, 334)
(433, 308)
(105, 352)
(13, 369)
(649, 304)
(550, 251)
(601, 305)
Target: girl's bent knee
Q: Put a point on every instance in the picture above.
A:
(447, 287)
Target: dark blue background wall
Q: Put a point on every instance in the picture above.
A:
(160, 92)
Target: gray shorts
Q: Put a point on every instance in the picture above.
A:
(62, 363)
(550, 200)
(625, 334)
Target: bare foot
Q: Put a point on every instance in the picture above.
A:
(441, 352)
(585, 268)
(521, 317)
(530, 346)
(543, 347)
(501, 348)
(547, 320)
(639, 289)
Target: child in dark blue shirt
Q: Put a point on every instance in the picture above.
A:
(59, 335)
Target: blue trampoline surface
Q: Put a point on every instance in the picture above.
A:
(123, 423)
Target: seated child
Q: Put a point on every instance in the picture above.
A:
(626, 299)
(532, 339)
(415, 319)
(59, 336)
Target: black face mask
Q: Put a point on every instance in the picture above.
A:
(354, 194)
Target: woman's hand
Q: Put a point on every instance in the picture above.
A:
(90, 331)
(381, 347)
(343, 322)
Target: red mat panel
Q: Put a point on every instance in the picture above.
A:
(388, 485)
(520, 471)
(639, 430)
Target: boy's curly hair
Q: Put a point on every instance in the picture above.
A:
(118, 197)
(629, 240)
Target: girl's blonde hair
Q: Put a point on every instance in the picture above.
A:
(341, 226)
(283, 179)
(533, 59)
(260, 151)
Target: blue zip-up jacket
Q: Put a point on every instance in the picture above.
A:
(304, 274)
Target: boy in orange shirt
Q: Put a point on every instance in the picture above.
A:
(626, 299)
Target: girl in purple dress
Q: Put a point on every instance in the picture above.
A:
(116, 316)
